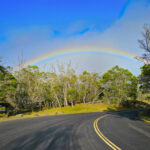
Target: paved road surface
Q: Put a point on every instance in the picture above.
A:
(76, 132)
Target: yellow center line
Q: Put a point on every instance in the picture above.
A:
(104, 138)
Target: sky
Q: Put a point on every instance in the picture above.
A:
(38, 27)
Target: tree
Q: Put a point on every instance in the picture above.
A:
(145, 45)
(30, 80)
(119, 84)
(68, 81)
(144, 78)
(8, 86)
(56, 90)
(90, 87)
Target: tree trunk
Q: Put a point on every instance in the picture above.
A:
(65, 97)
(84, 99)
(72, 104)
(57, 100)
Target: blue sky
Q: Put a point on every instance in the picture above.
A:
(35, 27)
(58, 14)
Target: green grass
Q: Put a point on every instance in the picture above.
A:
(145, 116)
(78, 108)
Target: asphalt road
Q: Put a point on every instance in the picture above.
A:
(76, 132)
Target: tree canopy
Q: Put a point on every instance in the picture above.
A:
(144, 78)
(119, 84)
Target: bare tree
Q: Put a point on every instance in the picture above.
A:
(19, 76)
(21, 61)
(145, 45)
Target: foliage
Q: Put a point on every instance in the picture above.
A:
(8, 86)
(119, 84)
(134, 104)
(145, 115)
(144, 78)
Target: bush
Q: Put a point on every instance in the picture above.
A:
(134, 104)
(147, 112)
(127, 104)
(147, 96)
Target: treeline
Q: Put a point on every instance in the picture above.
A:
(30, 89)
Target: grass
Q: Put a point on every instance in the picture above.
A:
(78, 108)
(145, 116)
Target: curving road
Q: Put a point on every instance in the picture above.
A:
(77, 132)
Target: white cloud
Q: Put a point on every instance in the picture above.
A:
(123, 35)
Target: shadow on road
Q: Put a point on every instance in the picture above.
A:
(130, 109)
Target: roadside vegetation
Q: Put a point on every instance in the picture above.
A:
(145, 115)
(28, 92)
(78, 108)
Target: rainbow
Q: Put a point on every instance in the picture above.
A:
(81, 50)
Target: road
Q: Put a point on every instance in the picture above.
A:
(77, 132)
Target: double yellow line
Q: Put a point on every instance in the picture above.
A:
(99, 133)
